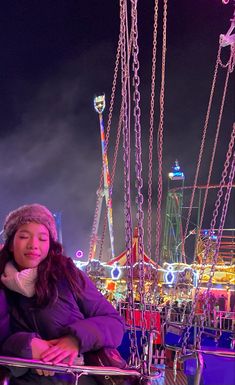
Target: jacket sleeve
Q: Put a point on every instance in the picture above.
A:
(16, 345)
(4, 317)
(19, 345)
(102, 325)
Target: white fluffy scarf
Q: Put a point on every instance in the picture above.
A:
(22, 282)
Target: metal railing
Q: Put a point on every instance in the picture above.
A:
(222, 320)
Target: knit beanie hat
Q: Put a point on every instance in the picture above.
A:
(29, 213)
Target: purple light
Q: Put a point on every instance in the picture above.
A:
(79, 254)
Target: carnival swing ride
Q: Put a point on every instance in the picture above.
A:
(199, 333)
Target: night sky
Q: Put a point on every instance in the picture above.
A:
(55, 57)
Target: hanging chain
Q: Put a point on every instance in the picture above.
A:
(230, 64)
(103, 234)
(152, 278)
(112, 98)
(125, 58)
(112, 179)
(151, 127)
(216, 252)
(202, 143)
(215, 146)
(93, 240)
(139, 182)
(227, 40)
(208, 245)
(160, 134)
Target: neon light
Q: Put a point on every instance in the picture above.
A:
(115, 272)
(212, 234)
(195, 278)
(169, 276)
(79, 254)
(176, 174)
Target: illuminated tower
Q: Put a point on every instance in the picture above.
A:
(99, 104)
(173, 245)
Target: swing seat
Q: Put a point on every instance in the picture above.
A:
(218, 369)
(124, 348)
(209, 338)
(174, 335)
(222, 341)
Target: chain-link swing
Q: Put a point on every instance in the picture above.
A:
(185, 349)
(129, 46)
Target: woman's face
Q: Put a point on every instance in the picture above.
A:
(30, 245)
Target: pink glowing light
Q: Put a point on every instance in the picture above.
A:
(79, 254)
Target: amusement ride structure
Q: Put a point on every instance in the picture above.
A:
(212, 260)
(199, 333)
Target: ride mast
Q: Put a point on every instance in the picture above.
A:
(106, 192)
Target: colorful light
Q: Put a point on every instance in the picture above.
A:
(169, 276)
(115, 272)
(176, 174)
(99, 105)
(79, 254)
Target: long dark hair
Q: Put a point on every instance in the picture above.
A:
(54, 267)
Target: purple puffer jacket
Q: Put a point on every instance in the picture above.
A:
(90, 318)
(4, 317)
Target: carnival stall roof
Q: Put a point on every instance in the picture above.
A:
(121, 260)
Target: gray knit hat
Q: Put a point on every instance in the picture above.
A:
(29, 213)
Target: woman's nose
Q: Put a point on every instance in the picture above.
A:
(32, 244)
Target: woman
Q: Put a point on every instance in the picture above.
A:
(57, 313)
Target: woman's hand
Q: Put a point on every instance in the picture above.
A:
(64, 348)
(39, 346)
